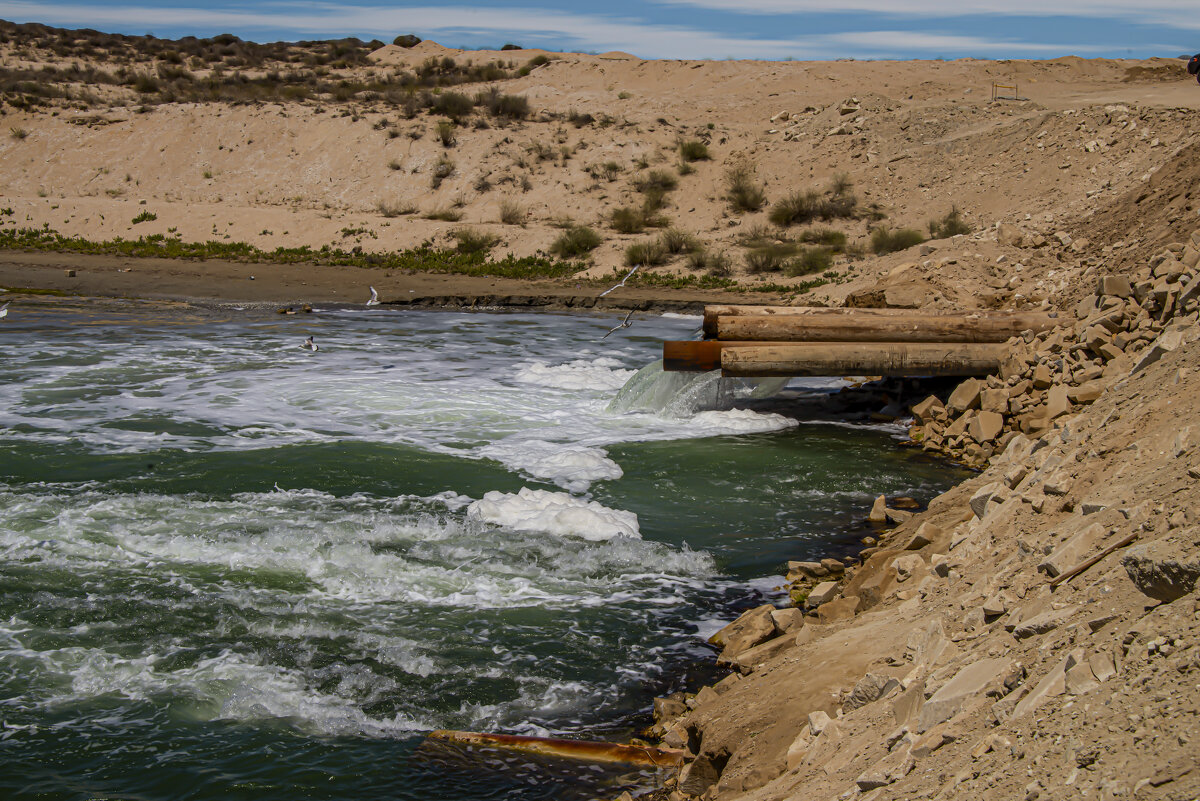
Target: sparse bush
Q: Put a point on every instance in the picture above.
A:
(482, 184)
(951, 225)
(684, 168)
(610, 170)
(742, 189)
(472, 241)
(579, 120)
(693, 150)
(802, 207)
(445, 133)
(407, 40)
(827, 237)
(512, 212)
(647, 254)
(811, 260)
(498, 104)
(885, 240)
(770, 258)
(578, 240)
(660, 180)
(676, 241)
(798, 207)
(145, 216)
(394, 209)
(653, 200)
(445, 215)
(627, 220)
(454, 105)
(17, 133)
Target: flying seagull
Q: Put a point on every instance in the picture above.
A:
(374, 301)
(623, 280)
(310, 345)
(623, 324)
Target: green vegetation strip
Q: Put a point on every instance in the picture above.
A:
(420, 259)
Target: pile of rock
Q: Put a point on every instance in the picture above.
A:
(1127, 324)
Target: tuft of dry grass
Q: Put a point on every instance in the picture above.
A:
(512, 212)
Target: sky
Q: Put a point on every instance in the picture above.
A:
(684, 29)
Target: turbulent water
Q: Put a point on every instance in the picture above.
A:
(231, 567)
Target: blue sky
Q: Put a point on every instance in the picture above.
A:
(689, 29)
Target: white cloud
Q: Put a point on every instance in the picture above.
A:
(1172, 9)
(541, 27)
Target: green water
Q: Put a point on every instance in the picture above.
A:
(233, 568)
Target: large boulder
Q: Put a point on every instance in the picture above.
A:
(1162, 572)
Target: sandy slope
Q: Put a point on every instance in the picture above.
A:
(923, 136)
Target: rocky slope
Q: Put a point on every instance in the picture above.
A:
(1033, 634)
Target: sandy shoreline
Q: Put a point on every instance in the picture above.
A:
(297, 284)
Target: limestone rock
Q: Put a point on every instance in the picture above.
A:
(928, 410)
(786, 620)
(1074, 550)
(699, 775)
(1040, 624)
(822, 593)
(979, 500)
(965, 396)
(747, 631)
(962, 691)
(878, 510)
(986, 426)
(841, 609)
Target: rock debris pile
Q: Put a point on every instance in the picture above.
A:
(1034, 633)
(1125, 325)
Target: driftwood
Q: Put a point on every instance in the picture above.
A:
(584, 750)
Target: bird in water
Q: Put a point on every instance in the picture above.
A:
(623, 324)
(623, 280)
(310, 345)
(4, 310)
(374, 301)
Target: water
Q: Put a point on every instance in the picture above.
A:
(232, 568)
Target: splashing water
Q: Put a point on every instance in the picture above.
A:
(232, 568)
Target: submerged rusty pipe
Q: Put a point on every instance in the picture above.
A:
(584, 750)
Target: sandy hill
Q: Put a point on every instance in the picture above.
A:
(359, 147)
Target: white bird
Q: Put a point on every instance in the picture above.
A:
(310, 345)
(623, 280)
(374, 301)
(4, 310)
(623, 324)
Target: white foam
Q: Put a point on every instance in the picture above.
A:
(600, 375)
(572, 467)
(678, 316)
(740, 421)
(554, 513)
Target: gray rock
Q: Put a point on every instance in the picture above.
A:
(1161, 572)
(870, 688)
